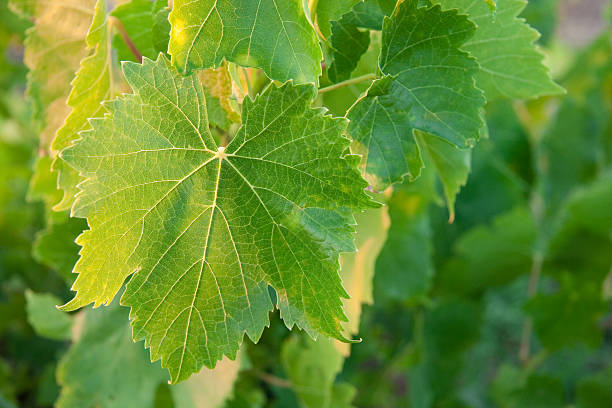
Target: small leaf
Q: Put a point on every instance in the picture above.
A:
(44, 317)
(349, 43)
(331, 10)
(452, 165)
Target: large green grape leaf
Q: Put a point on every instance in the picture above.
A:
(53, 49)
(510, 64)
(429, 87)
(92, 85)
(205, 229)
(273, 35)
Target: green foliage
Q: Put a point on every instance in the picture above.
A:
(429, 86)
(401, 184)
(275, 36)
(45, 318)
(294, 190)
(510, 65)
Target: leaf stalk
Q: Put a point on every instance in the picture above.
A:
(351, 81)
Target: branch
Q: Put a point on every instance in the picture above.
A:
(534, 278)
(115, 22)
(273, 380)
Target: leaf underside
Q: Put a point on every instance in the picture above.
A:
(205, 229)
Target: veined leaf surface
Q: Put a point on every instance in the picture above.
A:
(274, 35)
(429, 86)
(206, 229)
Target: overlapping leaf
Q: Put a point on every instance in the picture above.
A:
(349, 41)
(273, 35)
(510, 64)
(138, 17)
(92, 85)
(44, 317)
(312, 367)
(205, 229)
(104, 368)
(429, 87)
(54, 48)
(330, 10)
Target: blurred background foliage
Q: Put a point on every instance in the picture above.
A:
(508, 306)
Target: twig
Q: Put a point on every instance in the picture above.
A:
(273, 380)
(352, 81)
(115, 22)
(532, 288)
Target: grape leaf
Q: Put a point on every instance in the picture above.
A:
(53, 49)
(161, 30)
(273, 35)
(91, 86)
(510, 389)
(570, 315)
(429, 86)
(510, 64)
(206, 229)
(491, 255)
(312, 367)
(369, 14)
(404, 268)
(595, 390)
(54, 246)
(452, 165)
(331, 10)
(349, 43)
(44, 317)
(103, 368)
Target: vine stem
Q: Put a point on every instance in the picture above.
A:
(532, 288)
(273, 380)
(116, 23)
(352, 81)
